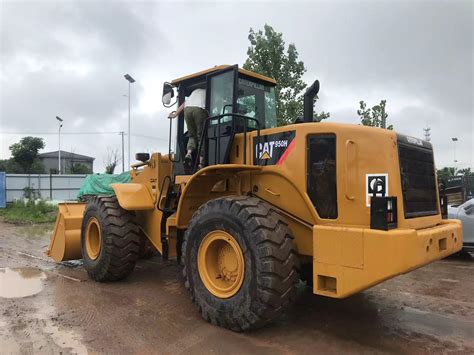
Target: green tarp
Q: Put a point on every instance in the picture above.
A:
(99, 184)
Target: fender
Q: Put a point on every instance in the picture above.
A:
(134, 197)
(196, 190)
(201, 188)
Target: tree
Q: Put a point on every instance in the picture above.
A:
(318, 117)
(267, 56)
(446, 172)
(37, 167)
(25, 153)
(10, 167)
(4, 165)
(465, 171)
(110, 160)
(375, 116)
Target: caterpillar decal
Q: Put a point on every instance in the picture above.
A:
(272, 149)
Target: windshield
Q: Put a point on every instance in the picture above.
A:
(258, 101)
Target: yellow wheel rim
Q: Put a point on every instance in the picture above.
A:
(93, 238)
(221, 264)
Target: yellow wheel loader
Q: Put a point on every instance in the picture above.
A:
(343, 207)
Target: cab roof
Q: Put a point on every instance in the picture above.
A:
(220, 67)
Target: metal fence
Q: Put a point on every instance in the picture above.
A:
(45, 186)
(2, 190)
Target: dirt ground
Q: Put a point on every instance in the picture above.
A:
(49, 308)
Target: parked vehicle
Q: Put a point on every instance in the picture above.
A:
(465, 213)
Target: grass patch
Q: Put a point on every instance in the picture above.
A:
(28, 213)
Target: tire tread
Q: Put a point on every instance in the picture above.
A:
(277, 262)
(120, 240)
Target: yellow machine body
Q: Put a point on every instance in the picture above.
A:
(346, 254)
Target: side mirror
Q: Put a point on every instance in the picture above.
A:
(168, 93)
(143, 157)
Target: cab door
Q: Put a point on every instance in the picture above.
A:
(221, 95)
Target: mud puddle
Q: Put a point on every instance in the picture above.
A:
(64, 339)
(20, 282)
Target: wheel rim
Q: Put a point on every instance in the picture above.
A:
(93, 238)
(221, 264)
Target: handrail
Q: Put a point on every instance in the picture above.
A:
(349, 170)
(167, 177)
(139, 164)
(169, 144)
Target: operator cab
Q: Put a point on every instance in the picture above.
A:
(237, 101)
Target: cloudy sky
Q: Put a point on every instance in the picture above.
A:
(68, 58)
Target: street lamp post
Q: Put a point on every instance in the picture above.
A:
(130, 81)
(454, 139)
(123, 157)
(60, 122)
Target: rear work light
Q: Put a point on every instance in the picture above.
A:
(383, 213)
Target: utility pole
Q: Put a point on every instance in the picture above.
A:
(130, 81)
(427, 133)
(60, 122)
(123, 152)
(384, 117)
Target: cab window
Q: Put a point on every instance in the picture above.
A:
(221, 95)
(257, 100)
(222, 91)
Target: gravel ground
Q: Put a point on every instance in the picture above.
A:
(49, 308)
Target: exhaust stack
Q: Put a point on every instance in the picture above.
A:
(308, 104)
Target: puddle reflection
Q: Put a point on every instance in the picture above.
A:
(20, 282)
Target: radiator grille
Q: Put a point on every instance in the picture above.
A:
(418, 178)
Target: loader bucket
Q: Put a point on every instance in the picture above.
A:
(66, 239)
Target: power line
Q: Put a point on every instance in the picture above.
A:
(150, 137)
(82, 133)
(55, 133)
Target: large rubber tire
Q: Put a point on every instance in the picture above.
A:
(269, 254)
(119, 240)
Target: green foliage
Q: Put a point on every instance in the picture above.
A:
(25, 153)
(465, 171)
(37, 167)
(374, 116)
(110, 160)
(79, 168)
(109, 169)
(10, 167)
(3, 164)
(29, 212)
(446, 172)
(31, 194)
(318, 117)
(269, 56)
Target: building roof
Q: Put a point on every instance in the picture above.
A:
(65, 155)
(220, 67)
